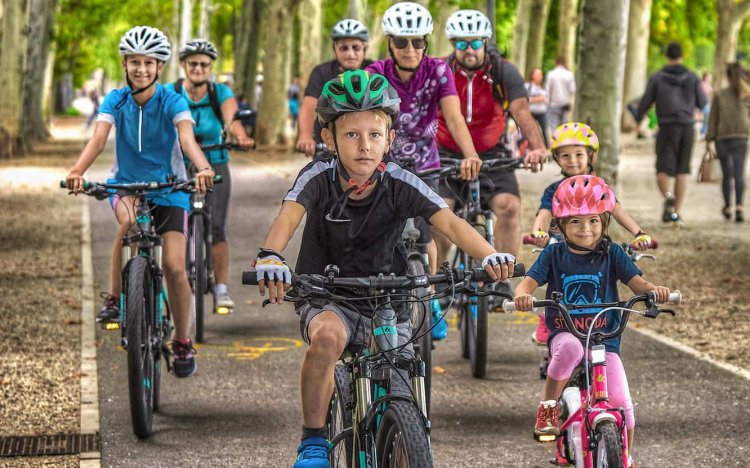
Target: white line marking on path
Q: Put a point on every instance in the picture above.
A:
(89, 378)
(736, 370)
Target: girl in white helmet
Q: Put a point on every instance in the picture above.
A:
(425, 86)
(149, 121)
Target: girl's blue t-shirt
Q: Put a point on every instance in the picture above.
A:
(207, 126)
(584, 279)
(147, 148)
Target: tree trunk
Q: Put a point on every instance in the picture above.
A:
(204, 26)
(521, 34)
(567, 27)
(730, 17)
(601, 66)
(440, 46)
(172, 71)
(358, 10)
(376, 37)
(186, 22)
(310, 24)
(250, 38)
(272, 115)
(12, 66)
(537, 32)
(41, 16)
(639, 27)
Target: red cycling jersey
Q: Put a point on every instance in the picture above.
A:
(483, 113)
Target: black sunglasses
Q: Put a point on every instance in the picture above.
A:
(403, 42)
(203, 65)
(346, 47)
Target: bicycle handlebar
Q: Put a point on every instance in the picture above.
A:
(386, 282)
(649, 298)
(184, 185)
(226, 146)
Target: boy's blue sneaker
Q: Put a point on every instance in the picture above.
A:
(313, 453)
(441, 326)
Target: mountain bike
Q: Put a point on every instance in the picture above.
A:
(378, 411)
(594, 432)
(146, 316)
(199, 258)
(473, 310)
(630, 250)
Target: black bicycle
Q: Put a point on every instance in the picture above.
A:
(473, 310)
(146, 316)
(378, 411)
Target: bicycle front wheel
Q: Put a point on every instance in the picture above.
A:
(140, 329)
(198, 262)
(402, 440)
(421, 321)
(340, 418)
(608, 451)
(475, 326)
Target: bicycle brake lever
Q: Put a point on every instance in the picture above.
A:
(669, 311)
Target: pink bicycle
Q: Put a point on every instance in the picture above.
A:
(594, 433)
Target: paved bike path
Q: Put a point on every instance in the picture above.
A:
(242, 407)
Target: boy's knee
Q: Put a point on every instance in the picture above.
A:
(329, 342)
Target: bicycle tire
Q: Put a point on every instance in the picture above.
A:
(198, 260)
(481, 326)
(157, 361)
(339, 418)
(420, 310)
(140, 312)
(402, 440)
(608, 452)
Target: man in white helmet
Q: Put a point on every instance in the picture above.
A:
(488, 86)
(350, 38)
(153, 127)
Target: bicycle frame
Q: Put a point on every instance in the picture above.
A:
(199, 207)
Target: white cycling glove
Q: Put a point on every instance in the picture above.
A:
(270, 266)
(498, 258)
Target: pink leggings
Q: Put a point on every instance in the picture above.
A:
(567, 352)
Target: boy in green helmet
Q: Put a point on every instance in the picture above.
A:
(357, 205)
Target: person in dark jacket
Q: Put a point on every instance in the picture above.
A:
(677, 92)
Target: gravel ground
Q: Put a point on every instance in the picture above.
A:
(39, 315)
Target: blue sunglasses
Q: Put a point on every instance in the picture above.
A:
(476, 44)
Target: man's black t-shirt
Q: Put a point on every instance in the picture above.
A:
(321, 75)
(371, 242)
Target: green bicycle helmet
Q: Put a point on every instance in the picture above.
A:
(356, 91)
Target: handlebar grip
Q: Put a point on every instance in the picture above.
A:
(86, 184)
(654, 244)
(250, 277)
(509, 307)
(519, 270)
(218, 179)
(675, 297)
(528, 239)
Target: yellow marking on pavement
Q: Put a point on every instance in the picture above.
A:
(247, 350)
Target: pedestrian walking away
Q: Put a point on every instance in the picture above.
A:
(560, 88)
(676, 92)
(728, 127)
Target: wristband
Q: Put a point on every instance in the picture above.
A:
(268, 252)
(206, 168)
(640, 233)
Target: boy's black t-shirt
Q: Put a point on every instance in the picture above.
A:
(358, 249)
(321, 75)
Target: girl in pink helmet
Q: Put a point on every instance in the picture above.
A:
(586, 268)
(574, 146)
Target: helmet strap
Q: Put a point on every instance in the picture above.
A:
(602, 246)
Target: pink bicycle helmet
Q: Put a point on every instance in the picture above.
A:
(583, 195)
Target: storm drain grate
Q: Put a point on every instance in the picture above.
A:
(43, 445)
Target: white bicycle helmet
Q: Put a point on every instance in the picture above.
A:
(198, 46)
(350, 29)
(468, 23)
(407, 19)
(148, 41)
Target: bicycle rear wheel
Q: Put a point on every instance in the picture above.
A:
(421, 322)
(608, 451)
(140, 329)
(198, 264)
(339, 418)
(402, 440)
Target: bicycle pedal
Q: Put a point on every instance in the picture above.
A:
(224, 310)
(545, 438)
(110, 326)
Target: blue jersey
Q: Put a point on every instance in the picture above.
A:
(549, 193)
(147, 148)
(584, 279)
(207, 126)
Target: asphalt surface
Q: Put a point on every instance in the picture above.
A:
(242, 407)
